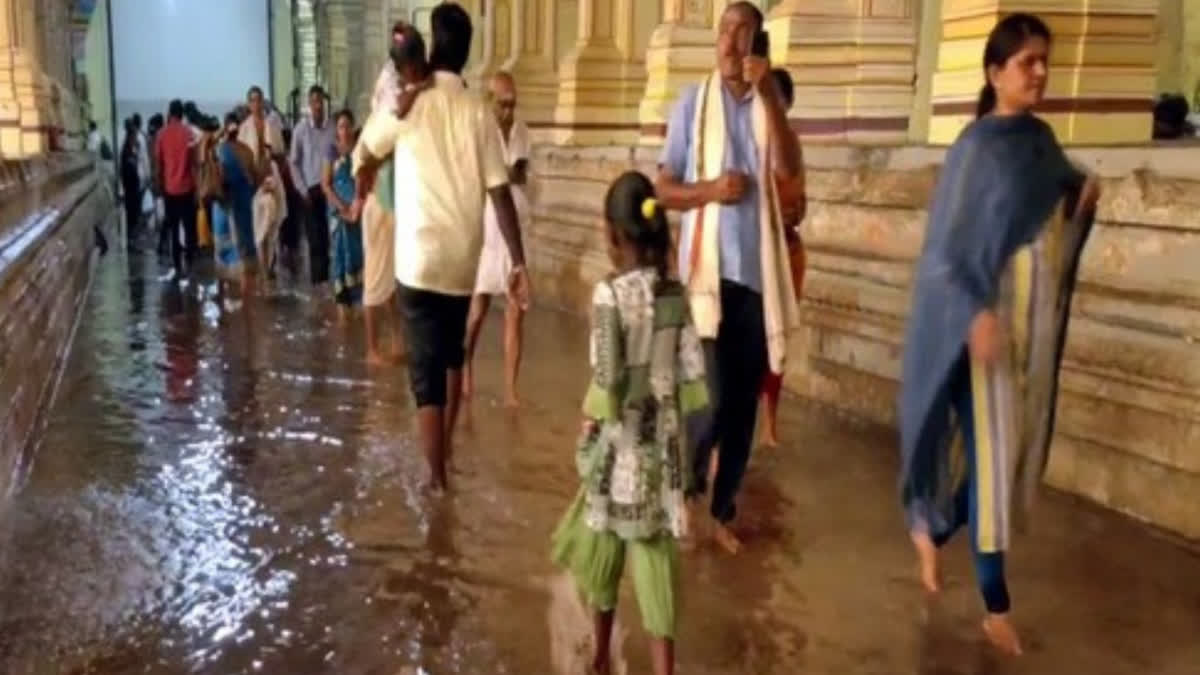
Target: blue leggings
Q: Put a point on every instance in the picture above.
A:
(989, 567)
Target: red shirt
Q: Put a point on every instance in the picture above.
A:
(173, 150)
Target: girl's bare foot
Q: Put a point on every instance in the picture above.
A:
(927, 561)
(1001, 633)
(726, 539)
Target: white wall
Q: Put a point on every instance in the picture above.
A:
(207, 51)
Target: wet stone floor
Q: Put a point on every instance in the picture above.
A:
(238, 493)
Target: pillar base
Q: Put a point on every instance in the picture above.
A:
(598, 98)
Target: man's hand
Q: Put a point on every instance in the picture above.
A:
(519, 290)
(1090, 195)
(729, 188)
(756, 70)
(984, 336)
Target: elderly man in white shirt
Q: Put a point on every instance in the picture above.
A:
(447, 159)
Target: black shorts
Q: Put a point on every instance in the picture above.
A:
(435, 325)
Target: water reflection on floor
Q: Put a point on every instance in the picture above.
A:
(240, 494)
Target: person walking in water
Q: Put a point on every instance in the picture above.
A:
(647, 377)
(495, 263)
(313, 142)
(379, 227)
(728, 140)
(174, 162)
(447, 158)
(1007, 224)
(792, 206)
(344, 231)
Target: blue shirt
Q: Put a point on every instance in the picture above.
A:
(312, 147)
(738, 233)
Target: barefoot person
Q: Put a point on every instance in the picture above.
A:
(378, 224)
(989, 317)
(647, 376)
(345, 235)
(792, 205)
(495, 263)
(728, 140)
(447, 158)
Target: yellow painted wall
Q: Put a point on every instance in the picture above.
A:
(566, 27)
(1190, 57)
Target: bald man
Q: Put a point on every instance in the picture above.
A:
(495, 264)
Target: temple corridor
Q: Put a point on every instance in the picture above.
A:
(236, 492)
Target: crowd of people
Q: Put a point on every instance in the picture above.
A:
(417, 217)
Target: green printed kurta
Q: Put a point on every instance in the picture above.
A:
(648, 374)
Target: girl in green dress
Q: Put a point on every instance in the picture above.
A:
(648, 374)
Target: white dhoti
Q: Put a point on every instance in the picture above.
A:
(495, 264)
(379, 253)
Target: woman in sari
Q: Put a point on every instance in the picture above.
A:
(345, 235)
(265, 140)
(991, 299)
(232, 212)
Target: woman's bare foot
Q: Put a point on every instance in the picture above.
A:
(927, 558)
(1001, 633)
(726, 539)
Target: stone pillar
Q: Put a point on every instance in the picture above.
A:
(534, 66)
(1102, 71)
(25, 94)
(603, 76)
(682, 51)
(853, 64)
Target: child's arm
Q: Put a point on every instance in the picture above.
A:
(691, 385)
(607, 357)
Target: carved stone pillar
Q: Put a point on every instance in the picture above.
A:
(1102, 70)
(853, 64)
(534, 66)
(681, 52)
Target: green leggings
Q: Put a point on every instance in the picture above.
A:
(596, 561)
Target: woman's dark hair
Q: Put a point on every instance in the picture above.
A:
(787, 88)
(1005, 40)
(632, 208)
(255, 90)
(232, 117)
(407, 47)
(344, 112)
(450, 26)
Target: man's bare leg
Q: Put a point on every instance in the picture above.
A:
(770, 434)
(662, 654)
(370, 318)
(479, 309)
(514, 317)
(432, 426)
(602, 628)
(454, 385)
(399, 348)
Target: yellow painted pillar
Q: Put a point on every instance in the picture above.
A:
(1102, 67)
(534, 64)
(682, 51)
(602, 78)
(10, 108)
(853, 64)
(24, 97)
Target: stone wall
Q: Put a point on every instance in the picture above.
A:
(48, 207)
(1129, 414)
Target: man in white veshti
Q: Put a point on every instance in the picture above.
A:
(494, 262)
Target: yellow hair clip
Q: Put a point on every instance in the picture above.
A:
(649, 208)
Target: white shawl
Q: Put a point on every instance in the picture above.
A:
(780, 313)
(270, 200)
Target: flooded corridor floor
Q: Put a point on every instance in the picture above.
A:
(240, 494)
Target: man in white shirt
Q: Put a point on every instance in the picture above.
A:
(447, 159)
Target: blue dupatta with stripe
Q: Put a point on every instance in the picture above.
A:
(1003, 235)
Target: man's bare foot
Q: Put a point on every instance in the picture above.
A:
(713, 464)
(1001, 633)
(376, 359)
(512, 401)
(770, 440)
(726, 539)
(468, 383)
(927, 559)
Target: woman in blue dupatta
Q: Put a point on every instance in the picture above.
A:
(233, 214)
(991, 299)
(345, 241)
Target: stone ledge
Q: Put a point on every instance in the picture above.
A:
(47, 253)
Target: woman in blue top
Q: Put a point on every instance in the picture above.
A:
(346, 246)
(232, 213)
